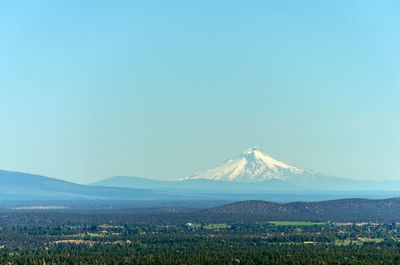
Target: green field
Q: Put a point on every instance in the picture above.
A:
(194, 226)
(292, 223)
(358, 242)
(83, 235)
(217, 226)
(209, 226)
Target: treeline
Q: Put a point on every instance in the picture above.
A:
(207, 252)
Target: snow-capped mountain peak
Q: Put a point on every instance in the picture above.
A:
(254, 154)
(252, 165)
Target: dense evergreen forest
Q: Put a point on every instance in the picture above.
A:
(187, 236)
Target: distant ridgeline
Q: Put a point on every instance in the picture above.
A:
(351, 210)
(254, 171)
(252, 175)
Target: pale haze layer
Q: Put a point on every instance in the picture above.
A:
(163, 89)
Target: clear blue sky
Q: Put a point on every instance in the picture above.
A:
(162, 89)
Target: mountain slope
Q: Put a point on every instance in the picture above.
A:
(253, 171)
(255, 166)
(23, 186)
(251, 166)
(193, 185)
(344, 210)
(131, 182)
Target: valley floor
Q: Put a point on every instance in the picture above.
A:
(128, 237)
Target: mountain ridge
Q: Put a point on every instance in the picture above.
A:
(26, 186)
(252, 165)
(351, 209)
(250, 175)
(254, 170)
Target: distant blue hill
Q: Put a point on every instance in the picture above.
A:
(23, 186)
(195, 185)
(322, 188)
(17, 186)
(320, 183)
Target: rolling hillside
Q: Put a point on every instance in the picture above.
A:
(344, 210)
(23, 186)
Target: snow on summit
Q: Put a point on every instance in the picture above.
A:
(251, 166)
